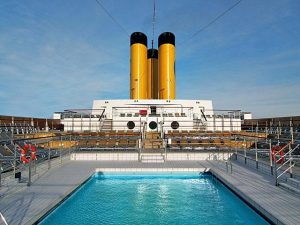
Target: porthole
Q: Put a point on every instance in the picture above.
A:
(153, 125)
(130, 125)
(175, 125)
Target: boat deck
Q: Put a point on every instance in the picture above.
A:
(27, 204)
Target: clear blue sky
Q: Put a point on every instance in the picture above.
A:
(61, 54)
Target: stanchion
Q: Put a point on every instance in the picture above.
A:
(275, 172)
(256, 154)
(34, 166)
(49, 163)
(271, 161)
(256, 140)
(0, 173)
(29, 173)
(290, 164)
(60, 157)
(245, 153)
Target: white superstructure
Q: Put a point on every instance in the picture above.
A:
(151, 115)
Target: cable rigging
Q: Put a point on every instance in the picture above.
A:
(212, 22)
(153, 23)
(109, 14)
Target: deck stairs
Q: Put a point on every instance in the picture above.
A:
(106, 125)
(152, 158)
(152, 148)
(199, 125)
(153, 140)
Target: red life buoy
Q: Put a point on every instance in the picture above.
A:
(276, 149)
(24, 151)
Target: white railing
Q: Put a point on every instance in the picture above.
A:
(3, 219)
(290, 161)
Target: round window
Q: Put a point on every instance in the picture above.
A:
(174, 125)
(130, 125)
(153, 125)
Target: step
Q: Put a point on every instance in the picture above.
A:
(153, 161)
(290, 188)
(294, 182)
(152, 158)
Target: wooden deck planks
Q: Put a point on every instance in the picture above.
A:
(282, 205)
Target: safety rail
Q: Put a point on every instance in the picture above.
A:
(259, 165)
(27, 173)
(3, 219)
(290, 161)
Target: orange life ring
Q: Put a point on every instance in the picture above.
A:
(24, 151)
(277, 148)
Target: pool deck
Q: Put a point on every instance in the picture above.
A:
(27, 204)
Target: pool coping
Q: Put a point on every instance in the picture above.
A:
(45, 212)
(217, 169)
(246, 199)
(56, 203)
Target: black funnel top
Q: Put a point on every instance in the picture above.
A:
(138, 37)
(152, 53)
(166, 38)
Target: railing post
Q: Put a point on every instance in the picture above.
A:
(275, 172)
(236, 148)
(49, 163)
(0, 173)
(271, 161)
(139, 149)
(61, 146)
(256, 154)
(60, 157)
(29, 173)
(266, 132)
(290, 158)
(166, 143)
(226, 166)
(34, 166)
(245, 153)
(292, 132)
(15, 151)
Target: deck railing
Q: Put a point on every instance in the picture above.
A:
(290, 160)
(3, 219)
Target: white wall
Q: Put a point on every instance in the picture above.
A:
(190, 156)
(185, 112)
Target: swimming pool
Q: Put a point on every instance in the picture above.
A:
(153, 199)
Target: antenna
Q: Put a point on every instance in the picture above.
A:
(153, 23)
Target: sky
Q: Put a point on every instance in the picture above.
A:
(63, 54)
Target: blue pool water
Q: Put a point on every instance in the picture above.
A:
(153, 199)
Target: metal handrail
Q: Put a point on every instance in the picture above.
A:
(277, 153)
(282, 157)
(286, 170)
(289, 152)
(284, 163)
(3, 219)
